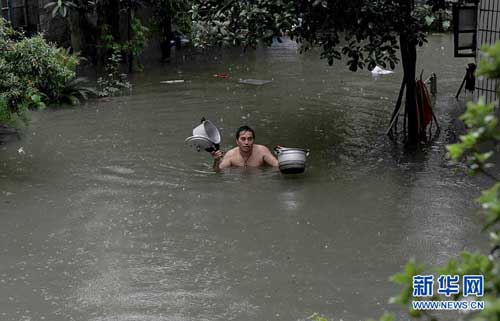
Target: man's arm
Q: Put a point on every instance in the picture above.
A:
(221, 161)
(269, 157)
(225, 163)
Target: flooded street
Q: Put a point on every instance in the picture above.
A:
(106, 215)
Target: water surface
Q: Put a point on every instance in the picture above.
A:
(108, 215)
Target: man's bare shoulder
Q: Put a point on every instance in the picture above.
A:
(232, 152)
(261, 148)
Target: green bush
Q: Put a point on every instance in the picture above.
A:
(47, 67)
(34, 72)
(439, 20)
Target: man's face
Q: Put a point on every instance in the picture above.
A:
(245, 141)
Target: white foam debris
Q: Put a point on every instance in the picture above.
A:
(380, 71)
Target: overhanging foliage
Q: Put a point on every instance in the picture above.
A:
(364, 31)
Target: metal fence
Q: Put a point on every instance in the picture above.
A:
(488, 32)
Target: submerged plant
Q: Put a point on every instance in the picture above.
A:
(114, 81)
(75, 91)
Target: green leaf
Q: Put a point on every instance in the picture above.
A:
(405, 279)
(50, 4)
(489, 197)
(429, 20)
(414, 313)
(489, 65)
(455, 151)
(491, 205)
(54, 11)
(388, 317)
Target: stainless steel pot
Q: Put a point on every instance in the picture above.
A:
(291, 160)
(209, 130)
(205, 136)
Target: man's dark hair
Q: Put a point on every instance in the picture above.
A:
(244, 129)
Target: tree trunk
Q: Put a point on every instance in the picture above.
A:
(112, 17)
(75, 30)
(165, 38)
(409, 60)
(130, 57)
(108, 14)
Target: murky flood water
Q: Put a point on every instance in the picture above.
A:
(108, 215)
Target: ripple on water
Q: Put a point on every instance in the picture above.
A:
(134, 181)
(118, 169)
(120, 175)
(147, 317)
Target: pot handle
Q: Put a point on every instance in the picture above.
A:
(213, 148)
(307, 152)
(278, 149)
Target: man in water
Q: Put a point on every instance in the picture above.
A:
(245, 154)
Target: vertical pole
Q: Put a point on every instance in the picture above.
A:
(397, 109)
(409, 62)
(25, 13)
(9, 12)
(461, 86)
(166, 37)
(129, 36)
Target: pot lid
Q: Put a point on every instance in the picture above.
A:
(198, 142)
(289, 149)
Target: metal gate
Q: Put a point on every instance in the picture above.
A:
(488, 32)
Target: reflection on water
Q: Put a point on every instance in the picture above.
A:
(110, 216)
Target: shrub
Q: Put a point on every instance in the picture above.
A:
(114, 81)
(34, 72)
(439, 20)
(42, 65)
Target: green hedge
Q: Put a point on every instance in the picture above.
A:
(33, 73)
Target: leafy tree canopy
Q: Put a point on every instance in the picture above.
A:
(364, 31)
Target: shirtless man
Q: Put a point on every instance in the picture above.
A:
(246, 154)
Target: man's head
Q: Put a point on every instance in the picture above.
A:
(244, 138)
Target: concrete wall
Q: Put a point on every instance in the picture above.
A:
(55, 29)
(24, 14)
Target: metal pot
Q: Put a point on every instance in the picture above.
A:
(209, 130)
(205, 136)
(291, 160)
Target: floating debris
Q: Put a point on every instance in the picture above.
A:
(379, 71)
(176, 81)
(256, 82)
(221, 75)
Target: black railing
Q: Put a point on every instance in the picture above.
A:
(488, 33)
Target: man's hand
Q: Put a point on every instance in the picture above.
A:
(217, 155)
